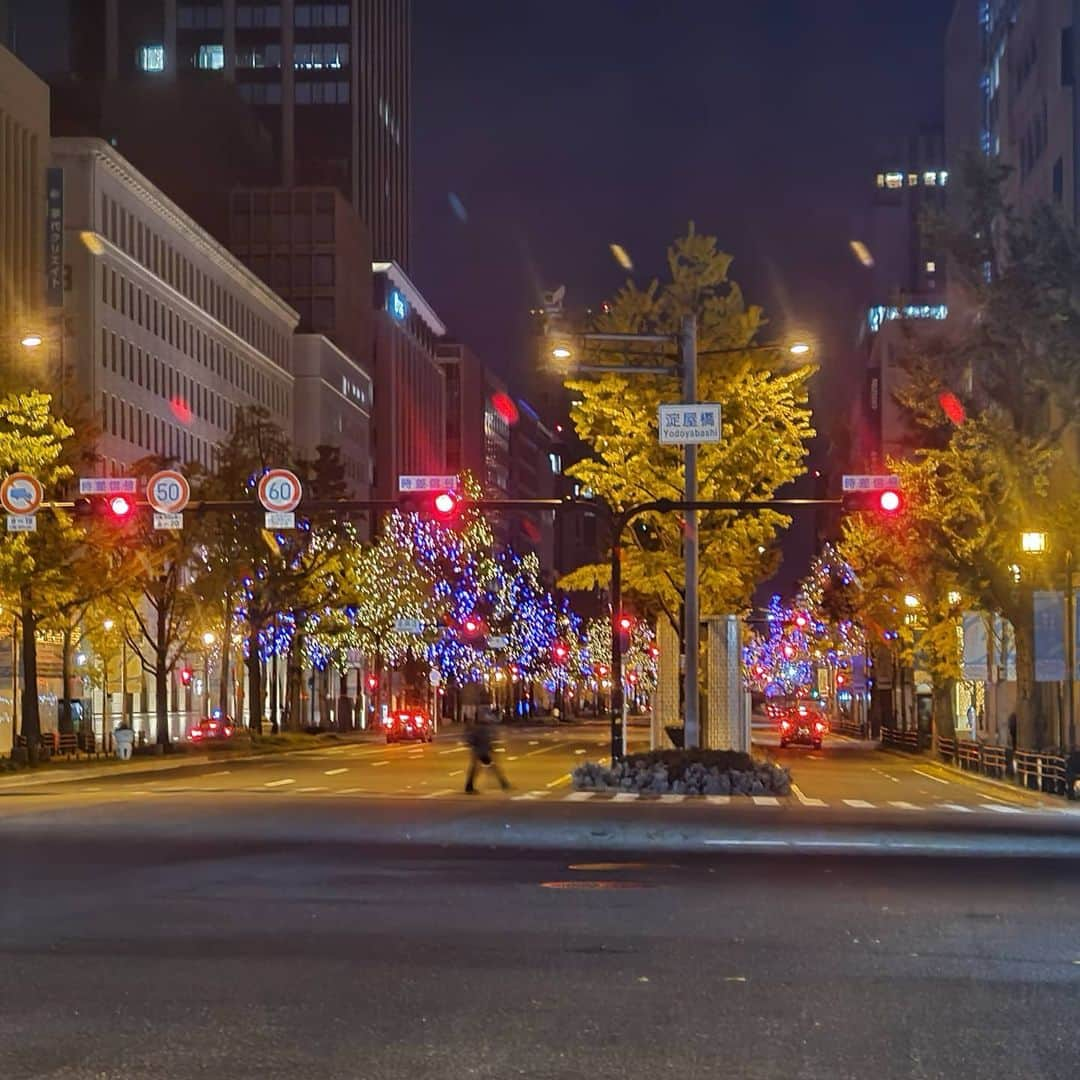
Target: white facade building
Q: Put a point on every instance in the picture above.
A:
(166, 332)
(332, 403)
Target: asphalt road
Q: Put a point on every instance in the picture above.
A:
(238, 937)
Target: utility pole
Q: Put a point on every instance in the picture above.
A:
(691, 616)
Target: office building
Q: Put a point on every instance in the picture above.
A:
(479, 415)
(329, 82)
(410, 386)
(24, 151)
(535, 473)
(169, 333)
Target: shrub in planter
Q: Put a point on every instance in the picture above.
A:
(692, 772)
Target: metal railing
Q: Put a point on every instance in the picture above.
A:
(968, 754)
(946, 748)
(1042, 772)
(900, 740)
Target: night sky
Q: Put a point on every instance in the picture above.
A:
(564, 126)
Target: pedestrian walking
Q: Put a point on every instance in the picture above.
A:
(479, 739)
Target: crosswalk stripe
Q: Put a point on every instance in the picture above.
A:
(578, 796)
(625, 796)
(672, 798)
(806, 800)
(334, 772)
(718, 800)
(958, 808)
(529, 796)
(765, 800)
(904, 805)
(1003, 809)
(859, 804)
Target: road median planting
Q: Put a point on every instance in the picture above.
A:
(686, 772)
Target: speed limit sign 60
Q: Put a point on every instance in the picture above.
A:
(280, 491)
(168, 491)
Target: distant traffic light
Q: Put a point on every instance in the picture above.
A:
(471, 627)
(372, 683)
(117, 509)
(185, 676)
(560, 652)
(446, 505)
(887, 501)
(625, 623)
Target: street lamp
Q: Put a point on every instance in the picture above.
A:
(31, 341)
(208, 638)
(1033, 543)
(911, 601)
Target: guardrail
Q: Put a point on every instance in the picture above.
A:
(901, 740)
(946, 748)
(1042, 772)
(968, 754)
(845, 727)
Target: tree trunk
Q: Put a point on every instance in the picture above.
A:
(255, 688)
(225, 674)
(31, 716)
(293, 676)
(64, 722)
(274, 727)
(161, 677)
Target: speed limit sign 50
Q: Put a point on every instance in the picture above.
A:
(168, 491)
(280, 491)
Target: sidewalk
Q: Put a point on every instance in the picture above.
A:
(59, 772)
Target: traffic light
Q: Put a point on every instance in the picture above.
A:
(840, 679)
(560, 652)
(471, 627)
(625, 623)
(886, 501)
(372, 683)
(185, 676)
(446, 505)
(115, 509)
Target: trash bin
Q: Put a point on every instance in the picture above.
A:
(125, 743)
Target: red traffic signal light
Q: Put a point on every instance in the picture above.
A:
(560, 651)
(446, 504)
(885, 501)
(625, 623)
(373, 683)
(840, 680)
(120, 506)
(185, 676)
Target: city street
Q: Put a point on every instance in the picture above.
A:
(266, 937)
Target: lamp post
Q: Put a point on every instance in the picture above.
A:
(208, 640)
(564, 352)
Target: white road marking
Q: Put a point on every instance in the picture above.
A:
(454, 750)
(530, 795)
(859, 804)
(578, 796)
(718, 800)
(534, 742)
(334, 772)
(500, 749)
(581, 751)
(983, 795)
(958, 808)
(278, 783)
(805, 799)
(905, 806)
(543, 750)
(351, 791)
(930, 776)
(1004, 809)
(835, 843)
(458, 772)
(625, 796)
(437, 794)
(559, 781)
(672, 798)
(376, 764)
(765, 800)
(308, 790)
(512, 757)
(224, 772)
(747, 843)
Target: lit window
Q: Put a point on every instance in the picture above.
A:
(894, 180)
(880, 179)
(930, 179)
(943, 177)
(931, 266)
(912, 179)
(210, 57)
(152, 58)
(556, 463)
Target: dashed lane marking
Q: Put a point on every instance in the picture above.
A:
(307, 790)
(930, 776)
(559, 781)
(454, 750)
(858, 804)
(334, 772)
(904, 805)
(958, 808)
(1004, 809)
(279, 783)
(458, 772)
(376, 764)
(351, 791)
(805, 799)
(579, 796)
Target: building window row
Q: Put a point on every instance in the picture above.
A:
(261, 218)
(256, 16)
(322, 93)
(259, 56)
(200, 17)
(894, 181)
(153, 434)
(129, 233)
(318, 55)
(261, 93)
(135, 303)
(321, 15)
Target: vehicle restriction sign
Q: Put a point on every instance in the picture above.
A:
(279, 492)
(168, 491)
(20, 493)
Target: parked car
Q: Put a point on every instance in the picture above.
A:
(212, 729)
(408, 725)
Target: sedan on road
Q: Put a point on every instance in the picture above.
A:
(803, 724)
(408, 725)
(211, 728)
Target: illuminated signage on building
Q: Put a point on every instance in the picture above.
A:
(397, 305)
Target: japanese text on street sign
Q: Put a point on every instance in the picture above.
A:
(690, 424)
(168, 521)
(21, 523)
(107, 485)
(427, 483)
(54, 237)
(280, 519)
(871, 483)
(407, 625)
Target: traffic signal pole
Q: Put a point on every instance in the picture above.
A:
(691, 611)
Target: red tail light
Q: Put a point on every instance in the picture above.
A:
(784, 724)
(418, 718)
(819, 726)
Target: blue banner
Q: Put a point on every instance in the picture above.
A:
(1049, 636)
(54, 237)
(975, 656)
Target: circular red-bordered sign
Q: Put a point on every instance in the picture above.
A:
(20, 493)
(280, 491)
(168, 491)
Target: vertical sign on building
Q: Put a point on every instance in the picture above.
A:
(54, 237)
(1050, 665)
